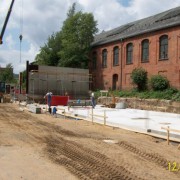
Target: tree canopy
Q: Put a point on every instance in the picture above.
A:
(77, 34)
(49, 52)
(7, 74)
(70, 46)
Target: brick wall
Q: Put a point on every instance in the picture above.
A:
(103, 77)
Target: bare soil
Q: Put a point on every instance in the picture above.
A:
(39, 146)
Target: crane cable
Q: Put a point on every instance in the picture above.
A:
(21, 26)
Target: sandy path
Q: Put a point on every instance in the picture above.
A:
(42, 147)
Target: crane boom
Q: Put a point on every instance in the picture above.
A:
(6, 21)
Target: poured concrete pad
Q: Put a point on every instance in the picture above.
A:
(143, 121)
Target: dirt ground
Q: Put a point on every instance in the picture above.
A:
(39, 146)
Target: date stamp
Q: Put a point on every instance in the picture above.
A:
(173, 166)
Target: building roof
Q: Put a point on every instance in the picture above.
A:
(159, 21)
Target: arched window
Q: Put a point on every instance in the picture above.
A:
(116, 56)
(163, 47)
(145, 50)
(94, 60)
(104, 58)
(129, 53)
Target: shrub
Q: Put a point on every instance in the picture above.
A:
(139, 77)
(176, 97)
(159, 82)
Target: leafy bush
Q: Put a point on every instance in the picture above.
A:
(139, 77)
(159, 82)
(176, 97)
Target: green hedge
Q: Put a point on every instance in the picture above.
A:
(168, 94)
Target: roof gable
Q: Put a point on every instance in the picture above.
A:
(159, 21)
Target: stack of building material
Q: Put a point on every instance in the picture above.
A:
(34, 109)
(6, 98)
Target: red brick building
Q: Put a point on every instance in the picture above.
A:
(152, 43)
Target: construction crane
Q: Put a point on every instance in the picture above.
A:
(6, 21)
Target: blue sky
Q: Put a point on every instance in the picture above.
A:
(43, 17)
(124, 2)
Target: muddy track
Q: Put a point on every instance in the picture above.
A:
(153, 157)
(148, 156)
(85, 163)
(62, 147)
(28, 119)
(79, 160)
(57, 129)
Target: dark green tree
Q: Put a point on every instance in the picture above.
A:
(49, 52)
(77, 34)
(7, 74)
(72, 10)
(24, 79)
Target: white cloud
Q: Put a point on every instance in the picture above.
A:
(43, 17)
(12, 57)
(142, 9)
(10, 42)
(111, 14)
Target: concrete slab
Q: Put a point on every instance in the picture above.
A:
(142, 121)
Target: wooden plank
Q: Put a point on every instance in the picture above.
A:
(96, 115)
(164, 128)
(168, 132)
(60, 109)
(168, 135)
(105, 117)
(173, 130)
(70, 115)
(92, 115)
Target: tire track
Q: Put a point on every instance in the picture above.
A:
(156, 158)
(153, 157)
(82, 162)
(85, 163)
